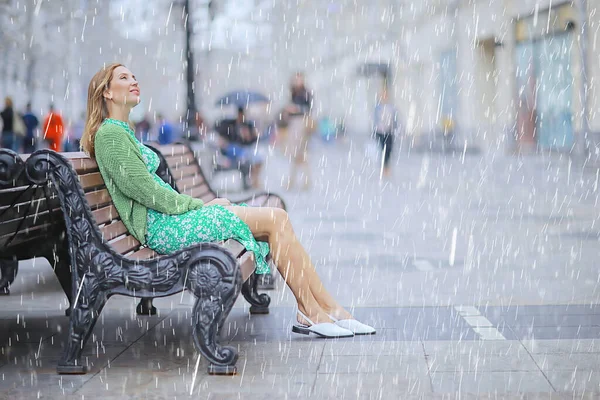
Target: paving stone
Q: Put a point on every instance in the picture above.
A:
(490, 382)
(371, 348)
(559, 346)
(271, 385)
(568, 362)
(478, 356)
(30, 383)
(547, 333)
(576, 382)
(371, 386)
(404, 365)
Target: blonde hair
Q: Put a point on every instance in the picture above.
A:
(8, 102)
(97, 109)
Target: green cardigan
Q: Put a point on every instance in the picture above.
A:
(132, 188)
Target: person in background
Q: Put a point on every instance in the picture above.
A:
(165, 130)
(8, 135)
(53, 129)
(142, 129)
(385, 125)
(236, 140)
(300, 127)
(31, 123)
(73, 142)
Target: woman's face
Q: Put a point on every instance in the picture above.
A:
(123, 88)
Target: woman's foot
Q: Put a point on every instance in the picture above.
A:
(344, 319)
(307, 325)
(337, 312)
(315, 317)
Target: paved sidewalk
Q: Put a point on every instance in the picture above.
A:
(479, 273)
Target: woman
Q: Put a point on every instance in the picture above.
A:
(299, 128)
(385, 125)
(167, 221)
(8, 134)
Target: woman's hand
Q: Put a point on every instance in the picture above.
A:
(218, 202)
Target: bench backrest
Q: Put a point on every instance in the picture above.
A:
(104, 212)
(29, 213)
(187, 173)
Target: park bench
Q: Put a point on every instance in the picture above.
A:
(188, 178)
(94, 256)
(30, 222)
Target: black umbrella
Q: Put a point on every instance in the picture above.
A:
(241, 98)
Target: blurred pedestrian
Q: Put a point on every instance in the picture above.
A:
(385, 125)
(300, 127)
(31, 123)
(237, 139)
(13, 128)
(73, 142)
(165, 130)
(142, 129)
(53, 129)
(8, 135)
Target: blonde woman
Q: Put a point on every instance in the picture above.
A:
(167, 221)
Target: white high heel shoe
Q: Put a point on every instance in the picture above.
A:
(354, 326)
(325, 329)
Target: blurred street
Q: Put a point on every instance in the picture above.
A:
(479, 272)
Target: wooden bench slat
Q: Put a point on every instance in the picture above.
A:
(20, 210)
(98, 198)
(143, 254)
(92, 180)
(125, 244)
(19, 194)
(199, 192)
(184, 172)
(105, 214)
(113, 230)
(171, 149)
(81, 162)
(8, 228)
(34, 233)
(192, 181)
(178, 161)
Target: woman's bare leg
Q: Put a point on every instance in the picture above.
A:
(292, 261)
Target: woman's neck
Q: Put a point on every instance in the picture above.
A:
(120, 113)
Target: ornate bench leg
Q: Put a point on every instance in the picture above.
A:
(8, 273)
(216, 285)
(145, 307)
(59, 259)
(259, 303)
(83, 318)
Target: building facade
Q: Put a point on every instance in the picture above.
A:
(506, 73)
(501, 75)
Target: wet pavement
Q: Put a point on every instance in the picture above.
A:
(479, 273)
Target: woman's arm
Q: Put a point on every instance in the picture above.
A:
(117, 155)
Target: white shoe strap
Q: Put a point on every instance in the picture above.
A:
(334, 319)
(306, 318)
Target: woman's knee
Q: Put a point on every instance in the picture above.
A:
(280, 219)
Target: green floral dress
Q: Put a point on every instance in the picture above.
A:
(169, 233)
